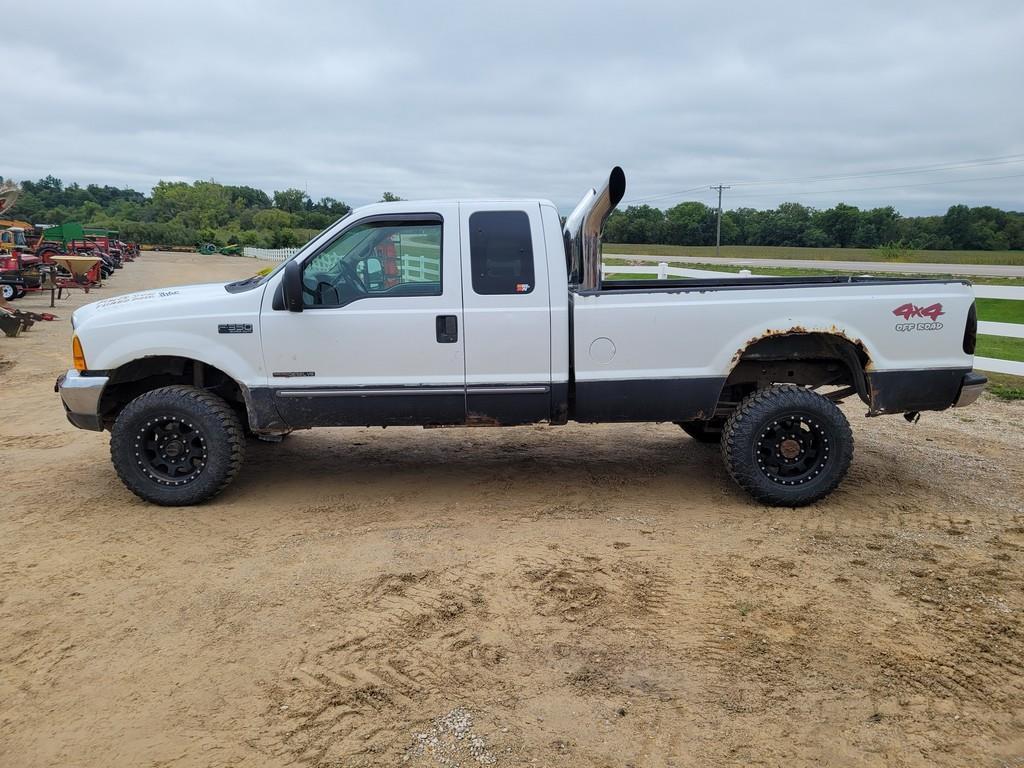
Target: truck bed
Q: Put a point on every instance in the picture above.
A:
(646, 350)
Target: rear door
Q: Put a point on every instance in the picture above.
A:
(507, 307)
(380, 338)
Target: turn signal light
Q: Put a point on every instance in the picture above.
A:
(79, 355)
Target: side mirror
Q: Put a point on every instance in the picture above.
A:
(291, 285)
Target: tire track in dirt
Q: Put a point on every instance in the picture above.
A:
(418, 637)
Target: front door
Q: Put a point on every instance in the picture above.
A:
(507, 307)
(380, 339)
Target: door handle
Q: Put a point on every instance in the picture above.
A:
(447, 329)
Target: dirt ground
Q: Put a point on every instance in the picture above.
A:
(578, 596)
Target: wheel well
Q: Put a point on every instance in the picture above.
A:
(807, 359)
(149, 373)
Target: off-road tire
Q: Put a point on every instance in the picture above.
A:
(8, 291)
(211, 429)
(753, 438)
(709, 432)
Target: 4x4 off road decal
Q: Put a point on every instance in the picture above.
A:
(910, 311)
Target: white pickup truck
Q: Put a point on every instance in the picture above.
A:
(492, 313)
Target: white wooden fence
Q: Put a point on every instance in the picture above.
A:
(1013, 330)
(269, 254)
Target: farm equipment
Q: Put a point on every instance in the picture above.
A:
(69, 240)
(14, 321)
(12, 285)
(58, 258)
(19, 267)
(55, 258)
(80, 267)
(109, 241)
(11, 325)
(12, 235)
(19, 271)
(208, 249)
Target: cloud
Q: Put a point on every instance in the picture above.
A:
(526, 99)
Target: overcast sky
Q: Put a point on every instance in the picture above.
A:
(449, 99)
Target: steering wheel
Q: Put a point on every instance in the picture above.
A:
(326, 293)
(353, 279)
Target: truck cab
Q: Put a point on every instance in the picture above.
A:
(442, 314)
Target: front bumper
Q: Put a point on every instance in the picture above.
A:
(81, 398)
(970, 389)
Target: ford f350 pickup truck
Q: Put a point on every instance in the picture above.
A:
(492, 313)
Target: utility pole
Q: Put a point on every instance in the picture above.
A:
(718, 229)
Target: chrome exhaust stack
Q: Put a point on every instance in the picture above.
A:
(581, 233)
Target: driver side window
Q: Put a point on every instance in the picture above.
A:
(376, 259)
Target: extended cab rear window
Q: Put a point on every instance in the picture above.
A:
(500, 252)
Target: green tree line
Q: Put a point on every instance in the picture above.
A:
(842, 226)
(179, 213)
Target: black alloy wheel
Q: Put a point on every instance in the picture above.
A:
(171, 450)
(793, 450)
(787, 446)
(177, 445)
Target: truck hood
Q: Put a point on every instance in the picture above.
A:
(167, 303)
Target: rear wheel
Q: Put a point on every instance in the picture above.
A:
(787, 446)
(8, 291)
(177, 445)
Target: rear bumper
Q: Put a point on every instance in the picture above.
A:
(971, 388)
(80, 396)
(923, 390)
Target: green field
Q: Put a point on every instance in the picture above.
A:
(1013, 258)
(1001, 310)
(1005, 387)
(1000, 347)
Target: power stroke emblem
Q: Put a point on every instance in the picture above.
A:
(911, 312)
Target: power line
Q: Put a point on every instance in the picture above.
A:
(1004, 160)
(892, 186)
(667, 194)
(904, 170)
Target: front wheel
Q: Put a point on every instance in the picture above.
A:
(787, 446)
(177, 446)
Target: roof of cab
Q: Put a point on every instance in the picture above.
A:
(424, 206)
